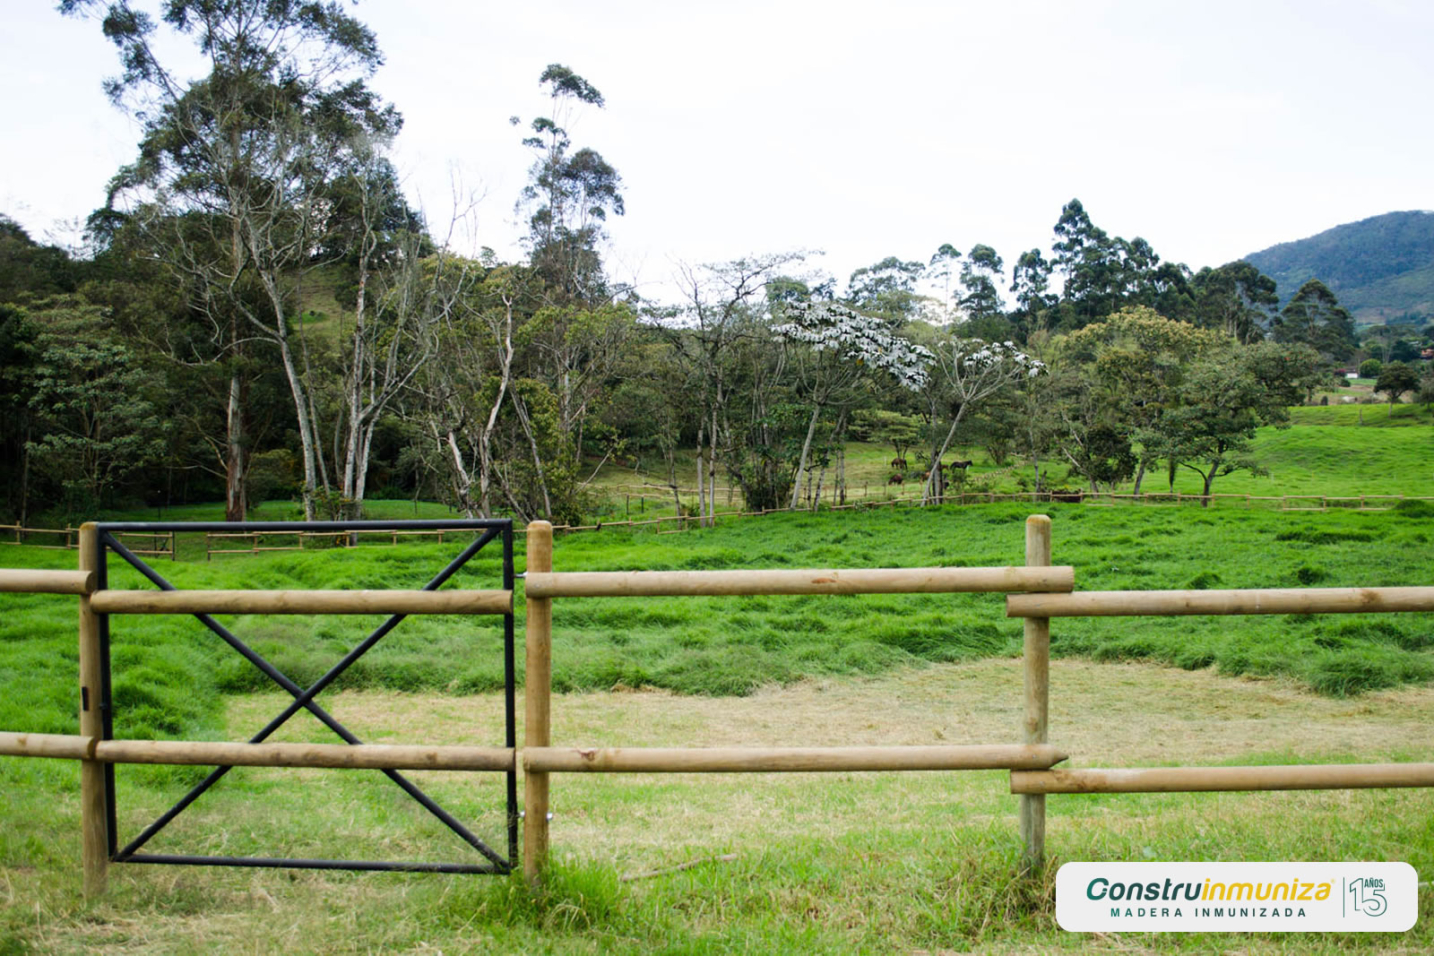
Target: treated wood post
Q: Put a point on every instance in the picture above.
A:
(537, 688)
(94, 833)
(1037, 660)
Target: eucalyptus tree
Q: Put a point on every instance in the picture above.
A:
(233, 167)
(1030, 284)
(1235, 298)
(886, 289)
(570, 193)
(835, 350)
(979, 274)
(1314, 317)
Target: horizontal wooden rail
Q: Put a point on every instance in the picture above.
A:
(302, 602)
(224, 754)
(1199, 779)
(762, 759)
(845, 581)
(1268, 601)
(35, 581)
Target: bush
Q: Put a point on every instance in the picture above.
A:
(1369, 368)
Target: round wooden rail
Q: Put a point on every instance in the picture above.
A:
(302, 602)
(844, 581)
(1200, 779)
(35, 581)
(224, 754)
(786, 759)
(1253, 601)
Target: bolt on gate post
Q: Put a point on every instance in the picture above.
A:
(1036, 658)
(537, 687)
(93, 812)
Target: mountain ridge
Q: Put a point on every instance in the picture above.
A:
(1381, 268)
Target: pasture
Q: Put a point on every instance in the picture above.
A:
(848, 862)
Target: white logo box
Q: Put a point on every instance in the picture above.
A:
(1237, 897)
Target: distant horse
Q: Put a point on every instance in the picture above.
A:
(963, 465)
(898, 464)
(896, 479)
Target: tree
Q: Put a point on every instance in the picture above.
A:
(1030, 282)
(233, 168)
(1223, 400)
(88, 390)
(1370, 368)
(569, 195)
(724, 307)
(1395, 379)
(886, 289)
(982, 301)
(1236, 298)
(1314, 317)
(1133, 362)
(967, 372)
(842, 347)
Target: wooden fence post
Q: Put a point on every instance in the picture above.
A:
(537, 688)
(1037, 664)
(93, 818)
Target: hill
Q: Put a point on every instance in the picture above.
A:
(1380, 268)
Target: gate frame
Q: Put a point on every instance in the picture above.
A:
(99, 539)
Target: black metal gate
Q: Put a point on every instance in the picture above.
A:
(486, 530)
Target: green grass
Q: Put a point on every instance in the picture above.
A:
(732, 646)
(1328, 450)
(853, 862)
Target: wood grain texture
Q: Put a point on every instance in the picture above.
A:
(1198, 779)
(36, 581)
(785, 759)
(831, 581)
(1250, 601)
(303, 602)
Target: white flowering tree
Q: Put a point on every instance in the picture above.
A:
(835, 351)
(966, 373)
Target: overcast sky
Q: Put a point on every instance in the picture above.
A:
(1212, 129)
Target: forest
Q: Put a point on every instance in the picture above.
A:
(259, 313)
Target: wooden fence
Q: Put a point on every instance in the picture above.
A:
(1036, 593)
(1044, 592)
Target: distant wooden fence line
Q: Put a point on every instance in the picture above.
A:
(1035, 592)
(161, 545)
(270, 541)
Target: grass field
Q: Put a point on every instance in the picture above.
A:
(1328, 450)
(831, 863)
(852, 862)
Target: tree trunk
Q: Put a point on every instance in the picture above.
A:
(802, 461)
(306, 430)
(1139, 476)
(235, 462)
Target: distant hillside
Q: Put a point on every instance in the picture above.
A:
(1380, 268)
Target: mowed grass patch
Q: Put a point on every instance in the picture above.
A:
(847, 862)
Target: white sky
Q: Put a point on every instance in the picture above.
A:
(1213, 129)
